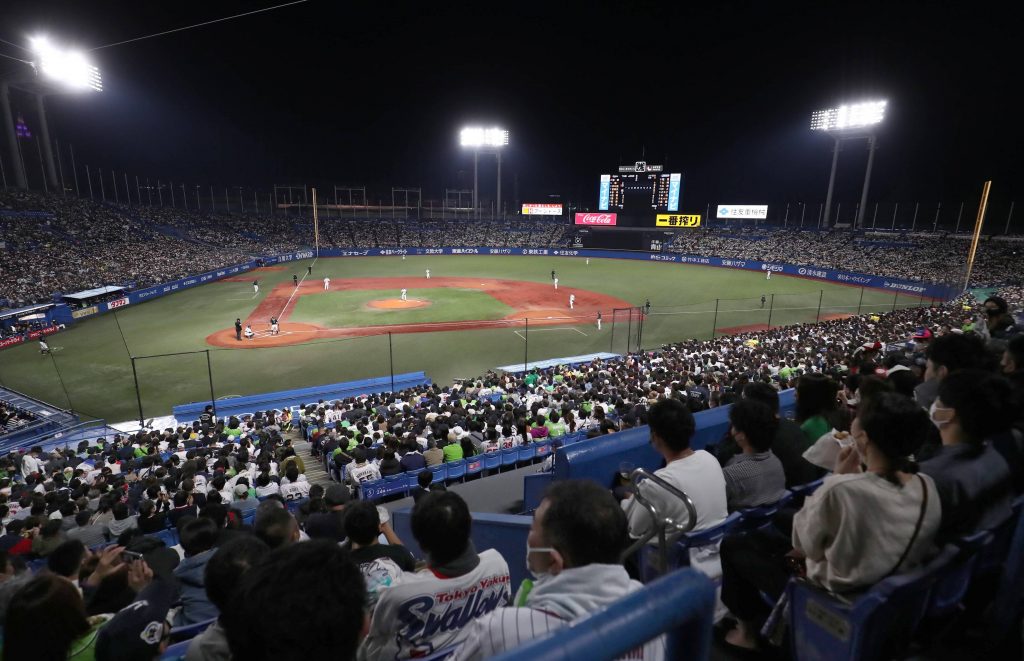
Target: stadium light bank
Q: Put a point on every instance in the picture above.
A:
(846, 122)
(487, 140)
(56, 70)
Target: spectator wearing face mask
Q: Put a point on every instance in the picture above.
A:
(998, 323)
(972, 478)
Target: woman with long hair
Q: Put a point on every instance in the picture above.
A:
(817, 409)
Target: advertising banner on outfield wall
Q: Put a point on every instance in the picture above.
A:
(85, 312)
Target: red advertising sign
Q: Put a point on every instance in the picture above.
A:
(11, 341)
(119, 303)
(602, 218)
(49, 330)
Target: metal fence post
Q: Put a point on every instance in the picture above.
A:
(714, 324)
(817, 317)
(391, 362)
(771, 306)
(209, 370)
(894, 298)
(861, 300)
(526, 345)
(138, 396)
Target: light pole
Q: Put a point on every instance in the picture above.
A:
(488, 141)
(56, 70)
(849, 122)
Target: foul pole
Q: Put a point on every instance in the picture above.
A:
(316, 225)
(977, 231)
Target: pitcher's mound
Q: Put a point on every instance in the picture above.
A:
(396, 304)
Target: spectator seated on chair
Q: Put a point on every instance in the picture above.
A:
(382, 565)
(198, 538)
(224, 572)
(858, 528)
(331, 523)
(325, 619)
(242, 502)
(972, 478)
(573, 551)
(754, 477)
(410, 620)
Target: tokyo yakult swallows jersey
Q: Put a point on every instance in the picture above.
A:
(425, 612)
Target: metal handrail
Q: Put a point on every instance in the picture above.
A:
(660, 523)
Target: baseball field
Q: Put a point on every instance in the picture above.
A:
(473, 313)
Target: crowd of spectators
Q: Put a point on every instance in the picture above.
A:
(56, 244)
(923, 257)
(13, 417)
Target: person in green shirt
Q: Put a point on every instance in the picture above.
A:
(531, 379)
(556, 428)
(452, 451)
(817, 409)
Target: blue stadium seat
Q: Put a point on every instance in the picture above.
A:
(396, 483)
(475, 465)
(457, 469)
(1009, 599)
(176, 652)
(759, 517)
(526, 453)
(294, 505)
(492, 460)
(679, 552)
(411, 479)
(190, 631)
(544, 448)
(509, 457)
(169, 536)
(953, 581)
(249, 517)
(878, 624)
(35, 566)
(440, 472)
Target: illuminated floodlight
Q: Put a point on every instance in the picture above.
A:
(481, 137)
(67, 67)
(851, 116)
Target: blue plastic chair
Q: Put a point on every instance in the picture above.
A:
(176, 652)
(168, 536)
(396, 484)
(544, 448)
(492, 460)
(475, 465)
(440, 472)
(1009, 599)
(411, 479)
(755, 518)
(877, 624)
(953, 580)
(527, 453)
(188, 632)
(510, 456)
(457, 469)
(679, 552)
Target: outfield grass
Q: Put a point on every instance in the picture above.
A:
(93, 367)
(348, 309)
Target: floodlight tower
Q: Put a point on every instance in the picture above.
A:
(56, 70)
(488, 141)
(848, 122)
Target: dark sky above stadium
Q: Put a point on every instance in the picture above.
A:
(374, 93)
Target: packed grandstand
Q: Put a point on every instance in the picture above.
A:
(906, 442)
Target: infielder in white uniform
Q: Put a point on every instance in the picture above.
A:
(248, 332)
(572, 301)
(769, 275)
(327, 284)
(255, 287)
(598, 321)
(404, 297)
(428, 274)
(556, 284)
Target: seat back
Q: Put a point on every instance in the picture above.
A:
(1009, 599)
(761, 516)
(953, 580)
(543, 449)
(190, 631)
(169, 536)
(492, 460)
(527, 452)
(457, 469)
(440, 472)
(475, 464)
(176, 652)
(877, 624)
(509, 456)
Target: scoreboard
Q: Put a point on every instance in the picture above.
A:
(640, 191)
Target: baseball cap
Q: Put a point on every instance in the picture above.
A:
(137, 630)
(337, 494)
(241, 489)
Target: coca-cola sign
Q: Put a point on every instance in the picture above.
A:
(595, 218)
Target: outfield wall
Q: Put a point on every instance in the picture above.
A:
(63, 314)
(921, 289)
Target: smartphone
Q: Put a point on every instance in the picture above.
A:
(128, 556)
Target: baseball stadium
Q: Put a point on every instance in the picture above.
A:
(563, 399)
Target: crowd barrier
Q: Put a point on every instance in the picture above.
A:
(284, 398)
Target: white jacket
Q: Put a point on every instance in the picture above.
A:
(553, 603)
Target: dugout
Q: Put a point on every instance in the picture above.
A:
(84, 299)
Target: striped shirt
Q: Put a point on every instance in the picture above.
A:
(754, 479)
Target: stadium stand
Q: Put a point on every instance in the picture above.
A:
(183, 498)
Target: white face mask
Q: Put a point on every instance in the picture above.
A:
(536, 549)
(931, 414)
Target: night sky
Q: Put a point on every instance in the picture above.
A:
(374, 93)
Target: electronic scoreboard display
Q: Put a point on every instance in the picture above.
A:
(640, 192)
